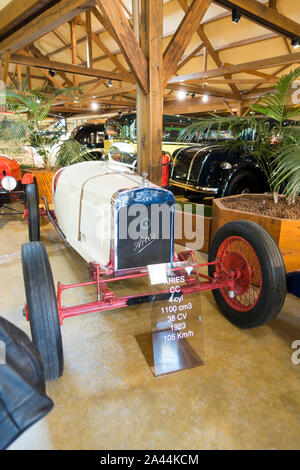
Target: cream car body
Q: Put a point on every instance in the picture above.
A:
(87, 198)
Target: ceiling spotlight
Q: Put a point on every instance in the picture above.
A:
(236, 16)
(51, 73)
(295, 42)
(205, 98)
(110, 82)
(181, 95)
(94, 106)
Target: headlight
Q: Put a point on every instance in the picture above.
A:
(226, 166)
(9, 183)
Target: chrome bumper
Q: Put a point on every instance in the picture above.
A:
(198, 189)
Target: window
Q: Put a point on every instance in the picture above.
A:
(182, 165)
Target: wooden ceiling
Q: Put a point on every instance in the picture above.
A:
(220, 65)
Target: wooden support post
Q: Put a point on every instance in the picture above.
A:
(89, 40)
(102, 46)
(29, 85)
(6, 65)
(150, 106)
(74, 49)
(126, 39)
(19, 72)
(272, 3)
(205, 59)
(182, 36)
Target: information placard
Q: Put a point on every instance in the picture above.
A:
(176, 320)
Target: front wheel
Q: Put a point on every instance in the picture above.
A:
(248, 250)
(32, 204)
(243, 183)
(42, 308)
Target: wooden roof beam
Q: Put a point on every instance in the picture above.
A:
(74, 53)
(102, 46)
(17, 12)
(188, 57)
(182, 37)
(263, 15)
(125, 37)
(39, 54)
(245, 67)
(89, 41)
(113, 91)
(70, 68)
(50, 19)
(210, 48)
(200, 90)
(44, 71)
(5, 67)
(197, 106)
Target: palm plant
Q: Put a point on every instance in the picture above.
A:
(275, 143)
(32, 108)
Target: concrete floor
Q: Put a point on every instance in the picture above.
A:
(246, 396)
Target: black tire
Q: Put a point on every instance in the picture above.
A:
(244, 182)
(192, 197)
(272, 277)
(32, 203)
(42, 308)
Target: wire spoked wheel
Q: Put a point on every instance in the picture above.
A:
(237, 256)
(247, 253)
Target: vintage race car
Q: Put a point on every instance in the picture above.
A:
(13, 187)
(108, 214)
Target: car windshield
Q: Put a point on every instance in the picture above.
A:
(195, 168)
(182, 165)
(122, 157)
(124, 127)
(89, 135)
(212, 136)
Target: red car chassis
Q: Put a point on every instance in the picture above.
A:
(107, 300)
(246, 273)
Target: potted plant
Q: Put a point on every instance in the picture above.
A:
(275, 143)
(50, 148)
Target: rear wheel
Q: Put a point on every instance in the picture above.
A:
(249, 251)
(42, 308)
(32, 204)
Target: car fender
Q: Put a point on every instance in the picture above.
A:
(243, 166)
(28, 178)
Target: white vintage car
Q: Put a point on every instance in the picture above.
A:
(121, 224)
(89, 200)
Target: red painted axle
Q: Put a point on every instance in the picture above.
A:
(110, 302)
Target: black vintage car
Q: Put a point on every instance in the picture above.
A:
(214, 171)
(90, 135)
(219, 169)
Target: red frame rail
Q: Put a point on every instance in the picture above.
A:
(107, 300)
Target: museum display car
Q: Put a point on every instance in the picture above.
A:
(95, 206)
(17, 187)
(214, 171)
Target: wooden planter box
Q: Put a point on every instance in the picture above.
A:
(44, 181)
(183, 235)
(286, 232)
